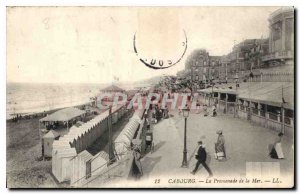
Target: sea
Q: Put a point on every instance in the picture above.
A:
(30, 98)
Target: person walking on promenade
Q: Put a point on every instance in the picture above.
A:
(198, 107)
(220, 146)
(166, 113)
(201, 159)
(214, 111)
(205, 110)
(154, 116)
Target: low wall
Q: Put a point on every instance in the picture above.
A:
(230, 107)
(268, 122)
(242, 114)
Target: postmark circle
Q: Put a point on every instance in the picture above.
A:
(160, 61)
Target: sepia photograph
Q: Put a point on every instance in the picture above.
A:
(150, 97)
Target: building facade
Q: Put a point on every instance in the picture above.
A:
(281, 44)
(198, 65)
(203, 68)
(244, 58)
(260, 59)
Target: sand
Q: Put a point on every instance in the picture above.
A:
(24, 168)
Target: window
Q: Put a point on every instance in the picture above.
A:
(276, 31)
(289, 34)
(88, 169)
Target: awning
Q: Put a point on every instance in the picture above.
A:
(224, 88)
(271, 93)
(64, 114)
(264, 92)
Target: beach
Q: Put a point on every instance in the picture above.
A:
(24, 167)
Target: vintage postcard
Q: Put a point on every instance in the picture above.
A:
(150, 97)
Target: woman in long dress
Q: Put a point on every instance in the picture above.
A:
(220, 146)
(276, 151)
(205, 110)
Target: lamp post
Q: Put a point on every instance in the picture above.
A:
(110, 143)
(185, 113)
(236, 102)
(212, 91)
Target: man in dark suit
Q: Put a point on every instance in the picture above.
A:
(201, 157)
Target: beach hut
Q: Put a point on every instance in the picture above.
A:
(48, 141)
(81, 168)
(99, 162)
(123, 141)
(85, 167)
(115, 117)
(61, 156)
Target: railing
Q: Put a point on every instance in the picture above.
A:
(255, 111)
(242, 113)
(288, 120)
(278, 55)
(262, 113)
(269, 120)
(273, 116)
(273, 77)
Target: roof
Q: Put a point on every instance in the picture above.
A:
(264, 92)
(51, 134)
(124, 138)
(112, 88)
(64, 114)
(79, 123)
(225, 88)
(76, 132)
(270, 93)
(85, 155)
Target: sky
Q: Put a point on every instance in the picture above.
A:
(95, 44)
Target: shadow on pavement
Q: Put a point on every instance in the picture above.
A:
(148, 164)
(159, 145)
(156, 147)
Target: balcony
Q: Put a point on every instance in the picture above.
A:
(279, 55)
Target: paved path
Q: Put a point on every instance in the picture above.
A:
(245, 142)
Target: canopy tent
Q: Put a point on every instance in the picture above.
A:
(112, 88)
(64, 114)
